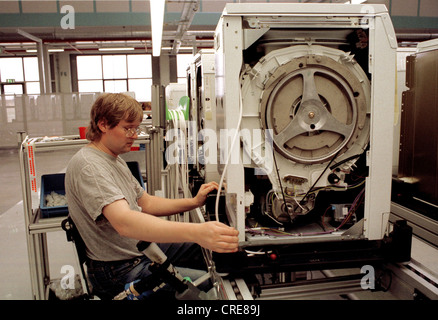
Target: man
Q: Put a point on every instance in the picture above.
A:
(112, 211)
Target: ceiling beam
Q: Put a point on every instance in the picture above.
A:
(188, 13)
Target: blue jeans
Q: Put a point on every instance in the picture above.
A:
(109, 278)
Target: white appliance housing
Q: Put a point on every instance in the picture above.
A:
(337, 110)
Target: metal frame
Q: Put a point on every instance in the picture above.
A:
(201, 74)
(37, 228)
(405, 281)
(422, 226)
(237, 289)
(412, 281)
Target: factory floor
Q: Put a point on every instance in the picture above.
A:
(14, 261)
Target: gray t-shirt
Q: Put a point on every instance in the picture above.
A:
(93, 180)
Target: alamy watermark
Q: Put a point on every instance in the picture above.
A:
(68, 20)
(368, 281)
(257, 146)
(367, 21)
(68, 280)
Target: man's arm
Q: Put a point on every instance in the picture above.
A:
(164, 207)
(133, 224)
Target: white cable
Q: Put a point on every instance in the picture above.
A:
(179, 171)
(253, 253)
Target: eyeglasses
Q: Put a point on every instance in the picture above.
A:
(129, 132)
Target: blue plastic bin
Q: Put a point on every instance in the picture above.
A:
(55, 182)
(49, 183)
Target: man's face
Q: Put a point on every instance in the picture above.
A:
(117, 139)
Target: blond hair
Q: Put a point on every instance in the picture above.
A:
(112, 108)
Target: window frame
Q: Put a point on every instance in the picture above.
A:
(105, 81)
(23, 82)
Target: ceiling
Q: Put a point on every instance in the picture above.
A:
(184, 31)
(179, 34)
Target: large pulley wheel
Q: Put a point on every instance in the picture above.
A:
(316, 108)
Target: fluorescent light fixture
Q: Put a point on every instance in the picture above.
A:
(157, 19)
(116, 49)
(49, 50)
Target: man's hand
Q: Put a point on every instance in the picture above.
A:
(217, 236)
(204, 190)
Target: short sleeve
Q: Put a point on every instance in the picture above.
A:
(97, 190)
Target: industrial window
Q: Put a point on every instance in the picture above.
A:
(19, 75)
(116, 73)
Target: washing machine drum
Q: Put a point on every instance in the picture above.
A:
(315, 100)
